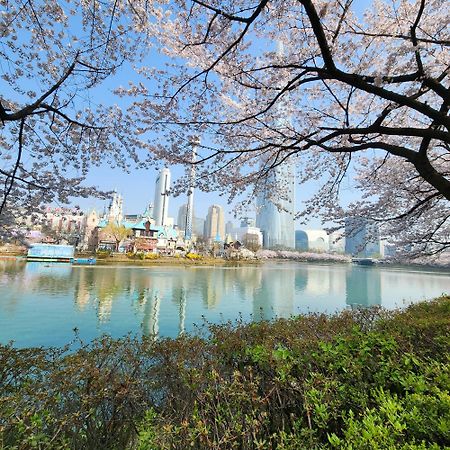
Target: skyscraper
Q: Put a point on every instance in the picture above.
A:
(276, 200)
(162, 191)
(362, 237)
(215, 223)
(198, 224)
(229, 227)
(181, 218)
(276, 208)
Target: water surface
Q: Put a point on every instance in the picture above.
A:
(41, 304)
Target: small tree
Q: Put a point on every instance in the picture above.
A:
(117, 232)
(251, 241)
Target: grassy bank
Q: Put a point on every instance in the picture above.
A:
(367, 379)
(172, 261)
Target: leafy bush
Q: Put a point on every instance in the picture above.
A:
(365, 379)
(194, 256)
(103, 254)
(151, 255)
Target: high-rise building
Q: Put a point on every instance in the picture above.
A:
(362, 237)
(276, 200)
(215, 223)
(198, 226)
(162, 192)
(181, 218)
(188, 229)
(229, 227)
(276, 208)
(197, 223)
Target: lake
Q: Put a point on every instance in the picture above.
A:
(41, 304)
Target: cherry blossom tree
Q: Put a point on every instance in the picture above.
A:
(55, 56)
(339, 91)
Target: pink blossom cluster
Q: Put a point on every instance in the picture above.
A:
(302, 256)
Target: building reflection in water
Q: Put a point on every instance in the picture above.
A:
(182, 311)
(275, 296)
(363, 286)
(82, 289)
(151, 321)
(214, 286)
(159, 289)
(246, 281)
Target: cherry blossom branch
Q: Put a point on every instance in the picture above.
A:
(16, 166)
(29, 109)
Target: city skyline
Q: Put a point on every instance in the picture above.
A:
(137, 190)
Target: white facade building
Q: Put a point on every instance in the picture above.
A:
(318, 240)
(162, 191)
(248, 233)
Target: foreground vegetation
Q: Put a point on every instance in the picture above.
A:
(366, 379)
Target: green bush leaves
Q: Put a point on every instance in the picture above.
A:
(359, 380)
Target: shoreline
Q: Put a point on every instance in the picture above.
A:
(221, 262)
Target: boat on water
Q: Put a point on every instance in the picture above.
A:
(84, 261)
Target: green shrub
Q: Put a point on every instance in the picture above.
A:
(357, 380)
(103, 254)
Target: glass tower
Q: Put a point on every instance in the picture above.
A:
(275, 206)
(276, 201)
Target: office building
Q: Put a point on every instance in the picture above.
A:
(197, 223)
(215, 224)
(301, 240)
(198, 226)
(181, 218)
(362, 237)
(229, 227)
(162, 192)
(276, 199)
(276, 204)
(248, 235)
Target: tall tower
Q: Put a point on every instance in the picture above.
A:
(276, 204)
(215, 223)
(276, 201)
(162, 192)
(190, 199)
(181, 218)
